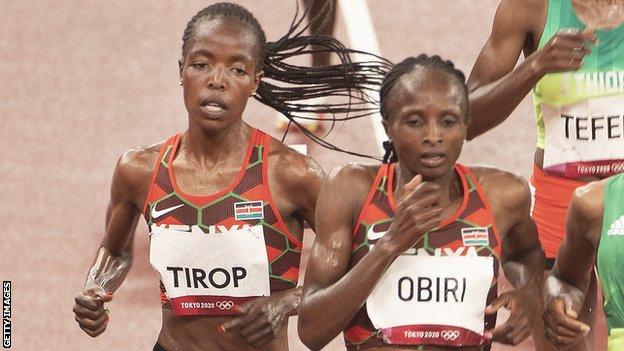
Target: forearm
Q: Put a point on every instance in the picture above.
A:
(291, 300)
(526, 271)
(328, 311)
(492, 103)
(108, 270)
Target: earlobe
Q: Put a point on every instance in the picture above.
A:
(180, 65)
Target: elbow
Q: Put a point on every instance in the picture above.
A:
(308, 334)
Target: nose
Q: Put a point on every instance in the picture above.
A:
(433, 134)
(216, 78)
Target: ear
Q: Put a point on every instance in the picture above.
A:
(257, 79)
(180, 65)
(386, 126)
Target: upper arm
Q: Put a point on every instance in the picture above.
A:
(128, 190)
(512, 198)
(512, 25)
(301, 178)
(341, 197)
(576, 255)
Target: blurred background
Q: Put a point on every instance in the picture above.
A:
(83, 81)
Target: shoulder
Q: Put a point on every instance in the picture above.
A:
(523, 14)
(135, 167)
(587, 203)
(353, 181)
(292, 168)
(503, 188)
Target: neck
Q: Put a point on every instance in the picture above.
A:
(450, 185)
(213, 146)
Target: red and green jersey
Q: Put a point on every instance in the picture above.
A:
(469, 232)
(247, 201)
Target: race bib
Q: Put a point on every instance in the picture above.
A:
(210, 273)
(432, 300)
(585, 138)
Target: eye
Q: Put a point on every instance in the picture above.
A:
(238, 71)
(448, 121)
(200, 65)
(414, 121)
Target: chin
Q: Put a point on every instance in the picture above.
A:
(434, 173)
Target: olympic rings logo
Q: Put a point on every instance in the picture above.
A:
(224, 305)
(450, 335)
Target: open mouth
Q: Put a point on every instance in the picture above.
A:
(432, 159)
(213, 108)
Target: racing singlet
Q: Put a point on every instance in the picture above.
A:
(610, 260)
(435, 293)
(217, 251)
(580, 114)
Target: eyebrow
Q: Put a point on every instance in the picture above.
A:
(234, 58)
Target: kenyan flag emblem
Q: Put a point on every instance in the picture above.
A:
(248, 210)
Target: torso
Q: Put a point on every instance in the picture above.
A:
(470, 213)
(282, 229)
(610, 254)
(567, 155)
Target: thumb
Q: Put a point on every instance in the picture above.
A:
(570, 308)
(413, 184)
(98, 292)
(497, 304)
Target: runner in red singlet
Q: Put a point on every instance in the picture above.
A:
(407, 254)
(225, 203)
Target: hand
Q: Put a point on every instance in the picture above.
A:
(89, 310)
(260, 320)
(565, 51)
(561, 323)
(418, 212)
(523, 307)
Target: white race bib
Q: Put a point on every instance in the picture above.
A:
(210, 273)
(585, 138)
(432, 300)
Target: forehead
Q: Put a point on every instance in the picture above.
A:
(224, 36)
(422, 83)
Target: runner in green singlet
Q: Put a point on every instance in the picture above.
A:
(595, 235)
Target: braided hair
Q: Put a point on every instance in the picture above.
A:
(404, 67)
(289, 88)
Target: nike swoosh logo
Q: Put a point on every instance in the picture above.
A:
(157, 213)
(373, 235)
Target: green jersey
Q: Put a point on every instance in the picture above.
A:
(610, 260)
(580, 114)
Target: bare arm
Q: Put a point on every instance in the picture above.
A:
(114, 257)
(565, 289)
(496, 88)
(295, 181)
(522, 257)
(333, 294)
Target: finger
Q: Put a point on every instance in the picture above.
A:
(255, 326)
(413, 184)
(421, 190)
(91, 324)
(98, 292)
(551, 323)
(242, 321)
(94, 333)
(260, 334)
(558, 340)
(423, 216)
(520, 337)
(566, 319)
(87, 313)
(88, 302)
(419, 200)
(497, 304)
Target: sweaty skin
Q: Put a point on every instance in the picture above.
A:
(431, 121)
(566, 288)
(496, 87)
(219, 64)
